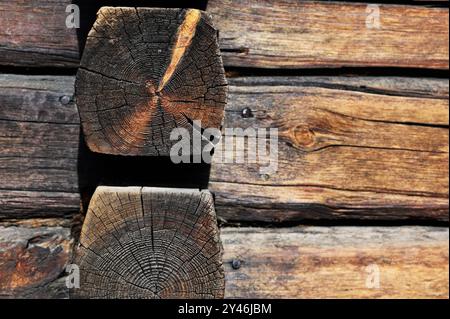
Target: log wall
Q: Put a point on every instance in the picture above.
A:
(363, 120)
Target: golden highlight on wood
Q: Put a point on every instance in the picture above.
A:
(146, 72)
(186, 33)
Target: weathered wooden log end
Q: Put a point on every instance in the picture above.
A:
(145, 73)
(139, 242)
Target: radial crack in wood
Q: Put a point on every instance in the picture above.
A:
(150, 243)
(147, 72)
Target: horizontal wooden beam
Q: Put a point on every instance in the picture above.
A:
(357, 148)
(306, 34)
(39, 138)
(349, 147)
(306, 262)
(271, 34)
(337, 262)
(34, 34)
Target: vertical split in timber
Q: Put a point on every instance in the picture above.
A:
(150, 243)
(146, 72)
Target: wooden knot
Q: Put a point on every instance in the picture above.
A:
(303, 137)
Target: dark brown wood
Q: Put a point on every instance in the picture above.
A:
(150, 243)
(382, 120)
(34, 34)
(146, 72)
(304, 262)
(353, 148)
(32, 260)
(336, 262)
(271, 34)
(303, 34)
(39, 137)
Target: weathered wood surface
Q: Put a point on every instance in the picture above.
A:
(33, 261)
(336, 262)
(139, 242)
(39, 137)
(310, 262)
(34, 33)
(303, 34)
(146, 72)
(357, 148)
(384, 141)
(286, 34)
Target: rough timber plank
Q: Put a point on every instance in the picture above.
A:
(145, 72)
(403, 119)
(313, 262)
(139, 242)
(335, 262)
(34, 33)
(39, 137)
(32, 260)
(269, 33)
(356, 148)
(299, 34)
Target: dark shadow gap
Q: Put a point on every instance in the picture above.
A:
(338, 223)
(37, 70)
(96, 169)
(233, 72)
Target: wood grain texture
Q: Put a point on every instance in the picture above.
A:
(332, 262)
(150, 243)
(269, 34)
(304, 262)
(39, 136)
(32, 260)
(303, 34)
(146, 72)
(34, 34)
(356, 148)
(391, 162)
